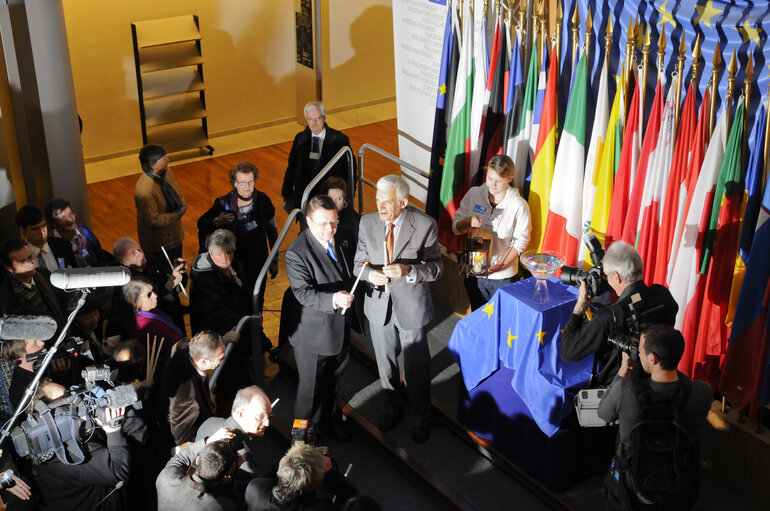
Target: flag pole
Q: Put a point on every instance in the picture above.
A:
(589, 26)
(575, 30)
(608, 43)
(646, 42)
(535, 25)
(732, 70)
(661, 50)
(749, 72)
(696, 56)
(767, 139)
(679, 80)
(628, 67)
(543, 25)
(716, 63)
(557, 28)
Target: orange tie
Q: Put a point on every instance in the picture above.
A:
(389, 242)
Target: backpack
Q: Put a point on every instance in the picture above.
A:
(661, 464)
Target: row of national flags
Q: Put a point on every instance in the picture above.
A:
(683, 181)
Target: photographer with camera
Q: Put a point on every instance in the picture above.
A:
(656, 463)
(306, 479)
(623, 269)
(199, 477)
(249, 418)
(103, 469)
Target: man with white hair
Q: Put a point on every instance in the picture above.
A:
(622, 266)
(312, 149)
(401, 246)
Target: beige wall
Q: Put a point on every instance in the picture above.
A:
(358, 67)
(249, 62)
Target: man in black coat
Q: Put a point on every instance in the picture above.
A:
(319, 264)
(24, 287)
(249, 420)
(313, 148)
(84, 485)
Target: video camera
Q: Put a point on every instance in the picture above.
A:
(69, 348)
(59, 428)
(303, 433)
(596, 282)
(628, 321)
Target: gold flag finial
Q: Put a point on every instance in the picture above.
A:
(732, 70)
(608, 41)
(575, 30)
(679, 80)
(661, 49)
(589, 26)
(716, 64)
(696, 55)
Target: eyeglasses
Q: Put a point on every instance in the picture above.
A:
(149, 293)
(261, 417)
(333, 223)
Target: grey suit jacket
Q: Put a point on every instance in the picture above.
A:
(314, 278)
(417, 246)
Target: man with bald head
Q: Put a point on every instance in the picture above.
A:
(249, 419)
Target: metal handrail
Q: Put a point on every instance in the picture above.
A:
(385, 154)
(346, 150)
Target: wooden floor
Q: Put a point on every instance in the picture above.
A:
(114, 214)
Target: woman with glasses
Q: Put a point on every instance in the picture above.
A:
(149, 320)
(250, 216)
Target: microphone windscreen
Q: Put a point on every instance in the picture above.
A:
(80, 278)
(39, 328)
(122, 396)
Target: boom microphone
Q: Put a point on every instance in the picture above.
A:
(39, 328)
(80, 278)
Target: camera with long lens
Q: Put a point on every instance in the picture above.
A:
(596, 282)
(629, 321)
(58, 429)
(6, 480)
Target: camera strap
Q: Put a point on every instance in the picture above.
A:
(73, 448)
(594, 374)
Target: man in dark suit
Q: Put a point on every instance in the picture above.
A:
(318, 264)
(50, 253)
(313, 148)
(25, 287)
(401, 246)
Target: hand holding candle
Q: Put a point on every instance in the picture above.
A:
(355, 284)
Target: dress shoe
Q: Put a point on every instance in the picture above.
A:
(421, 432)
(388, 420)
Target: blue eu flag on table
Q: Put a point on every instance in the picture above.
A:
(525, 336)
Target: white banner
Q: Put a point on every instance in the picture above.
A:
(418, 33)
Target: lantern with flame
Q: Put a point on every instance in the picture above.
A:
(474, 260)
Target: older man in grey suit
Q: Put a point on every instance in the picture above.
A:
(401, 246)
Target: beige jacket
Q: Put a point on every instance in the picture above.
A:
(154, 225)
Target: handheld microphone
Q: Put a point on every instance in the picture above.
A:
(80, 278)
(39, 328)
(117, 487)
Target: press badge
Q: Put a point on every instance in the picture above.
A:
(315, 156)
(250, 226)
(480, 209)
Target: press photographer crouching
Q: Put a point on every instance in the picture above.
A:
(656, 463)
(82, 463)
(623, 269)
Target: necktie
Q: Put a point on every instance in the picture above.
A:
(316, 163)
(389, 241)
(330, 251)
(316, 144)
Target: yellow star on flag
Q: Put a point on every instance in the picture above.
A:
(666, 17)
(511, 338)
(442, 89)
(540, 336)
(748, 32)
(489, 309)
(706, 12)
(589, 314)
